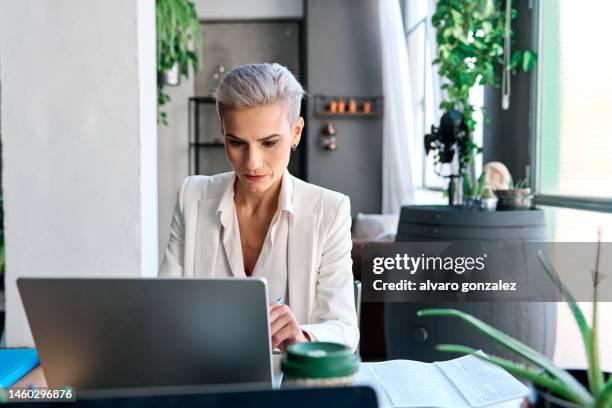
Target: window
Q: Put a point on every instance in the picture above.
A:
(576, 99)
(573, 160)
(421, 47)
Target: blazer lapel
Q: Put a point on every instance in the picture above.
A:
(208, 230)
(300, 275)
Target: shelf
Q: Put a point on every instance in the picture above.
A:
(328, 106)
(347, 115)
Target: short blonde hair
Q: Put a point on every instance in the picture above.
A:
(259, 84)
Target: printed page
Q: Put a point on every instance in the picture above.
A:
(482, 383)
(407, 384)
(367, 376)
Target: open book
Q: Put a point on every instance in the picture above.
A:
(465, 382)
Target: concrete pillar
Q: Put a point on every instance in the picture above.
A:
(79, 142)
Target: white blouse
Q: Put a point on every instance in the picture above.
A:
(272, 261)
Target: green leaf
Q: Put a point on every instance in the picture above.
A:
(467, 185)
(482, 180)
(605, 397)
(519, 370)
(179, 40)
(585, 331)
(517, 58)
(517, 347)
(529, 60)
(596, 379)
(457, 17)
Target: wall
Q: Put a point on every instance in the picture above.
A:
(79, 142)
(506, 137)
(173, 139)
(248, 9)
(343, 58)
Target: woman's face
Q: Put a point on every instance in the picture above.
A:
(258, 144)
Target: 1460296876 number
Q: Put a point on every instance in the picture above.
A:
(38, 394)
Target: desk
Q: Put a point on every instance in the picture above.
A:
(37, 377)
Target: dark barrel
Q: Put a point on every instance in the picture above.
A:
(534, 323)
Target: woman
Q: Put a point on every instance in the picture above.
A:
(260, 221)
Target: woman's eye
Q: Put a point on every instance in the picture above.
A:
(270, 143)
(235, 143)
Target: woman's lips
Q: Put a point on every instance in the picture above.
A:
(254, 178)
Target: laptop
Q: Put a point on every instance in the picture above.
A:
(105, 333)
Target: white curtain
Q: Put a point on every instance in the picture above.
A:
(398, 123)
(438, 92)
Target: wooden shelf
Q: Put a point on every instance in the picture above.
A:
(323, 106)
(347, 115)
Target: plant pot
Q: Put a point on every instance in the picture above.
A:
(518, 199)
(488, 204)
(470, 203)
(544, 399)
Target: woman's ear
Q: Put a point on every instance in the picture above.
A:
(296, 131)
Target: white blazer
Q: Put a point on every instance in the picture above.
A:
(319, 274)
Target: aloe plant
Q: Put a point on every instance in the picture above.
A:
(474, 190)
(522, 183)
(548, 376)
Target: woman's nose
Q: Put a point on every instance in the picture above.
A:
(253, 159)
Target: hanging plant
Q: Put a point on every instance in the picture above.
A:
(179, 45)
(470, 38)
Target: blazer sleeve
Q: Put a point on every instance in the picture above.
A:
(172, 264)
(334, 316)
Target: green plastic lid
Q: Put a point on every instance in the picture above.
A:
(319, 360)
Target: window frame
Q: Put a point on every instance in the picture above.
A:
(409, 31)
(596, 204)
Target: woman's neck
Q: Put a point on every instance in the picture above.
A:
(257, 203)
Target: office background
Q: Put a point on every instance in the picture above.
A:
(89, 178)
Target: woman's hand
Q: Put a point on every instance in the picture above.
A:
(284, 327)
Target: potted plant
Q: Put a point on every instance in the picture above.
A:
(470, 39)
(517, 197)
(556, 387)
(488, 199)
(179, 45)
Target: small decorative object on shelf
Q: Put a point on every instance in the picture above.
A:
(352, 106)
(498, 176)
(517, 197)
(328, 137)
(367, 107)
(348, 106)
(333, 106)
(488, 200)
(341, 106)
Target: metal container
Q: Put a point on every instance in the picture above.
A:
(517, 199)
(488, 204)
